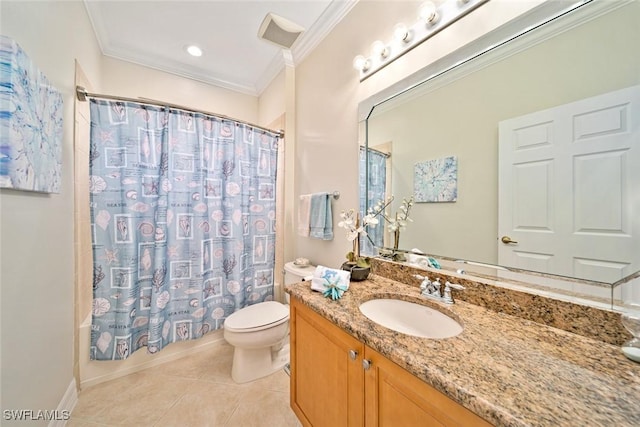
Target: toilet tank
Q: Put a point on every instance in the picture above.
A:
(297, 273)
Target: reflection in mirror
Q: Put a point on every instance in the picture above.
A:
(545, 133)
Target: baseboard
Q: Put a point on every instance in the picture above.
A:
(65, 407)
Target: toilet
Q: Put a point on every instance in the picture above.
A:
(259, 333)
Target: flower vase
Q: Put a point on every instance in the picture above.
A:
(358, 274)
(397, 256)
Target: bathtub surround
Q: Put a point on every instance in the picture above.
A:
(183, 212)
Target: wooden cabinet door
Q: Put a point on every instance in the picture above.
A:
(395, 398)
(327, 384)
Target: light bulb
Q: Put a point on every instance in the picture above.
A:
(428, 12)
(401, 33)
(194, 50)
(378, 49)
(360, 63)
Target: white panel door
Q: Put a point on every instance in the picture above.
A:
(569, 188)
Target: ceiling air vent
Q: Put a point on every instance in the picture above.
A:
(279, 31)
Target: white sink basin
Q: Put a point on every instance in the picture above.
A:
(410, 318)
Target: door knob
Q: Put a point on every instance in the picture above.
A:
(506, 240)
(366, 364)
(353, 354)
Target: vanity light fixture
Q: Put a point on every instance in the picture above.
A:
(429, 13)
(194, 50)
(361, 63)
(379, 49)
(432, 19)
(401, 33)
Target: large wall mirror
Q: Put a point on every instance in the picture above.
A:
(531, 151)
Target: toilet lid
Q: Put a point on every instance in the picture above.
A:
(256, 315)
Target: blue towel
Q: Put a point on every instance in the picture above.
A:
(320, 221)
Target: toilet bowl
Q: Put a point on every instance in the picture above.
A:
(259, 334)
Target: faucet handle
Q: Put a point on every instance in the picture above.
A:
(447, 298)
(453, 285)
(425, 282)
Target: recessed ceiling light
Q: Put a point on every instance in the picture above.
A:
(194, 50)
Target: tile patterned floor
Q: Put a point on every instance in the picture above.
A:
(195, 391)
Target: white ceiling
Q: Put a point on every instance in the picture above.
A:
(155, 33)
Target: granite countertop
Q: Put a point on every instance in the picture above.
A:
(508, 370)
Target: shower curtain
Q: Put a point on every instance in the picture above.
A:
(372, 189)
(182, 222)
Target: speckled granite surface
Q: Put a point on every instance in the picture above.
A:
(599, 324)
(509, 370)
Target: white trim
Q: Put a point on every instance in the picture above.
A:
(176, 70)
(273, 69)
(68, 402)
(288, 58)
(332, 15)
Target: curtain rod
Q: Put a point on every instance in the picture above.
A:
(82, 95)
(382, 153)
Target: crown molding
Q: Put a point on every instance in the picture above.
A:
(274, 68)
(176, 69)
(282, 59)
(332, 15)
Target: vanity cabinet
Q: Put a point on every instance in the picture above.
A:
(338, 381)
(326, 371)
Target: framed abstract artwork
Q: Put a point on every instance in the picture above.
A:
(30, 124)
(436, 180)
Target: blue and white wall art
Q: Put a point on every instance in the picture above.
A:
(30, 124)
(436, 180)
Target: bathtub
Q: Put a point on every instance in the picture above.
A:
(94, 372)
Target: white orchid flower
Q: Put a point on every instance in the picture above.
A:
(352, 235)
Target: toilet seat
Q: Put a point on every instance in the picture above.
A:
(257, 317)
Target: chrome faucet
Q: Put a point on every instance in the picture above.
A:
(434, 290)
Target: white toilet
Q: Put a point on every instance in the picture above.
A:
(260, 333)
